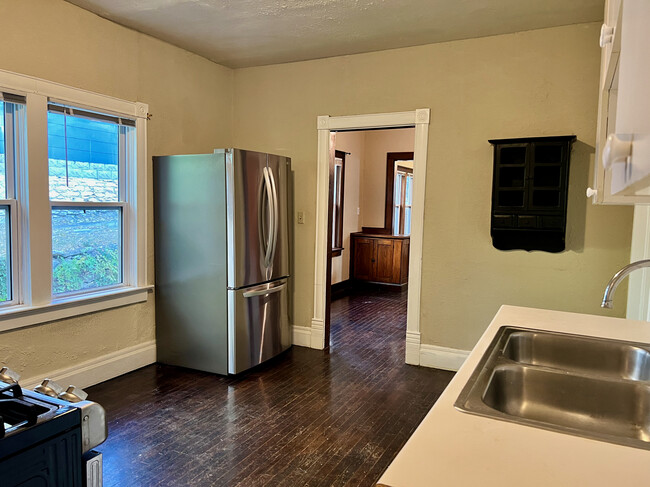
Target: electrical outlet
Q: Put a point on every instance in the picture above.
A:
(301, 217)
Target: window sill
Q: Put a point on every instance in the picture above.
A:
(20, 316)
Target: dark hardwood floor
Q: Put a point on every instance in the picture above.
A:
(307, 418)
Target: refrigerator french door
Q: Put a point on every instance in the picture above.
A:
(222, 259)
(257, 217)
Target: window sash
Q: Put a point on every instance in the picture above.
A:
(338, 183)
(336, 205)
(95, 206)
(124, 140)
(12, 243)
(402, 201)
(126, 158)
(80, 113)
(10, 152)
(14, 127)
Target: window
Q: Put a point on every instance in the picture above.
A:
(86, 156)
(72, 231)
(402, 200)
(337, 202)
(11, 125)
(399, 194)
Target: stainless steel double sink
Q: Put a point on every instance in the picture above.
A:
(579, 385)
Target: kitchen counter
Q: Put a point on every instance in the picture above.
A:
(451, 447)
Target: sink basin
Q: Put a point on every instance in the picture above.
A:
(572, 384)
(580, 354)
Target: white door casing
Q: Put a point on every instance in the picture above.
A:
(638, 294)
(325, 124)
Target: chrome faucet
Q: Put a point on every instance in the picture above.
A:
(618, 277)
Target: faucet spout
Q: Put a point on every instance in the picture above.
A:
(617, 278)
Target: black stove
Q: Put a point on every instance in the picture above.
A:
(43, 439)
(19, 411)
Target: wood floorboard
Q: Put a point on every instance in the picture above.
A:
(306, 418)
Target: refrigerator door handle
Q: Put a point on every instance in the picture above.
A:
(275, 226)
(269, 208)
(263, 290)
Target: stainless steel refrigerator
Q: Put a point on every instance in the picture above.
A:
(222, 257)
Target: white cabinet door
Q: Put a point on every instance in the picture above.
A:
(624, 110)
(633, 101)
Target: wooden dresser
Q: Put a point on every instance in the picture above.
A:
(380, 258)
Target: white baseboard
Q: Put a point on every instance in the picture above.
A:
(301, 336)
(413, 348)
(317, 334)
(416, 354)
(101, 368)
(442, 357)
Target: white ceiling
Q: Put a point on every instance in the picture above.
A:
(241, 33)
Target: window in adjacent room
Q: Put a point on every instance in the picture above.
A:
(337, 202)
(402, 200)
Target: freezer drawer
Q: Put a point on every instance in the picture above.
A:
(258, 324)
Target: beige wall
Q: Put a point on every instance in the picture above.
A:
(378, 144)
(532, 83)
(355, 144)
(191, 102)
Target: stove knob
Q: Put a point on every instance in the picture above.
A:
(9, 376)
(49, 388)
(73, 394)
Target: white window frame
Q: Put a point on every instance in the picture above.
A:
(397, 202)
(36, 303)
(12, 157)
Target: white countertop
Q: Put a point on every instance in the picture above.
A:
(451, 447)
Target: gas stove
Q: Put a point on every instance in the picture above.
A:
(47, 440)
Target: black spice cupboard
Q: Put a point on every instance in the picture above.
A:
(529, 193)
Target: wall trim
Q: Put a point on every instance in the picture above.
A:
(442, 357)
(638, 289)
(341, 289)
(413, 348)
(318, 334)
(20, 316)
(100, 369)
(301, 336)
(22, 84)
(325, 125)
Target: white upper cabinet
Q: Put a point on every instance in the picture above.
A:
(622, 172)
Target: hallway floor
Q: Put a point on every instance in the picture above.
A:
(307, 418)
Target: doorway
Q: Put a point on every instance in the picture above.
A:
(326, 125)
(370, 213)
